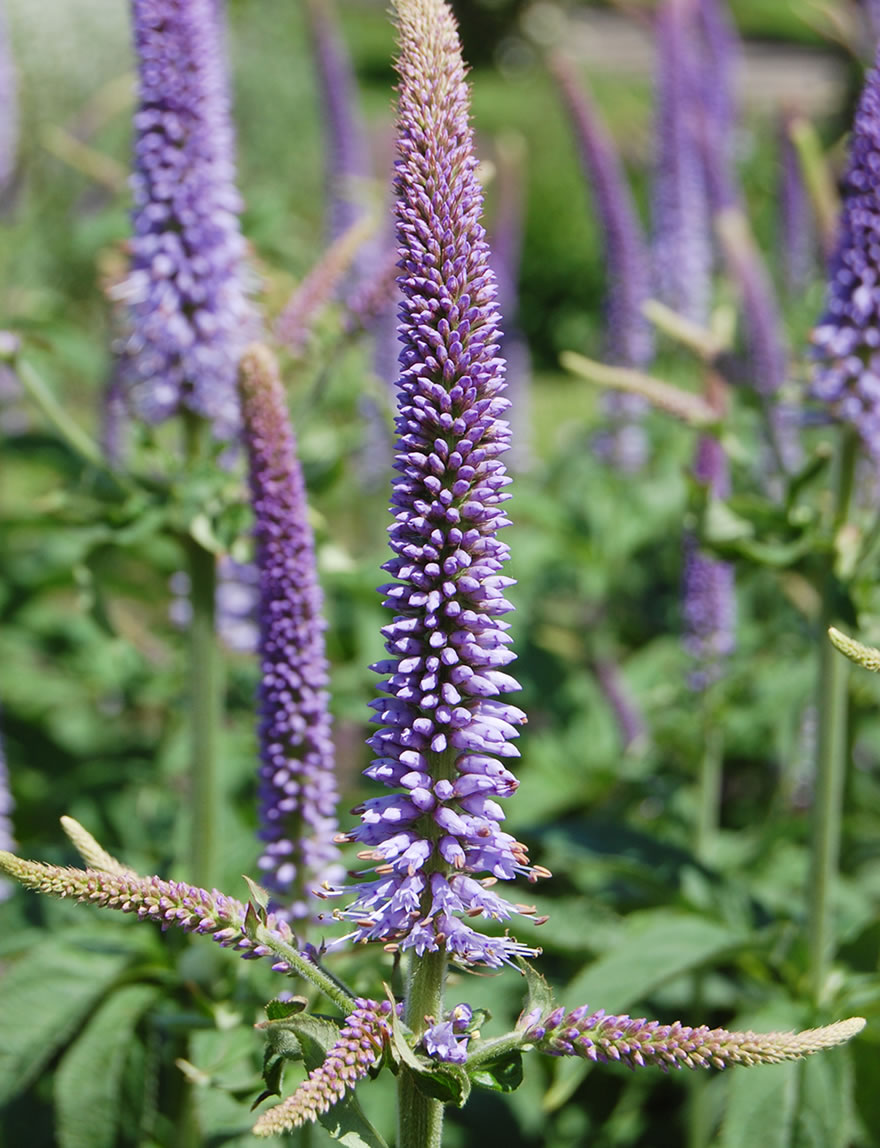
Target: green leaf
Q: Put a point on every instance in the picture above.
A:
(43, 999)
(89, 1078)
(824, 1112)
(540, 995)
(502, 1075)
(281, 1010)
(447, 1082)
(259, 897)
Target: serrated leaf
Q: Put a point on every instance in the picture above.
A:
(38, 1020)
(316, 1035)
(400, 1048)
(540, 995)
(89, 1078)
(259, 897)
(502, 1075)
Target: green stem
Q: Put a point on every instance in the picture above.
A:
(709, 786)
(73, 434)
(333, 989)
(831, 750)
(420, 1117)
(206, 693)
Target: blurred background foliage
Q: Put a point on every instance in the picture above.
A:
(93, 677)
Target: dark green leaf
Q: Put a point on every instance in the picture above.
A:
(540, 995)
(89, 1078)
(761, 1101)
(281, 1010)
(824, 1112)
(43, 999)
(502, 1075)
(447, 1082)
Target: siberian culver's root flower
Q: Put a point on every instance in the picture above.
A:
(189, 315)
(297, 790)
(168, 903)
(361, 1043)
(637, 1043)
(444, 721)
(847, 339)
(6, 806)
(8, 104)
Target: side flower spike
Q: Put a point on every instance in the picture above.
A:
(361, 1043)
(169, 903)
(190, 318)
(297, 790)
(637, 1043)
(847, 338)
(445, 725)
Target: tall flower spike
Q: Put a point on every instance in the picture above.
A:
(361, 1042)
(169, 903)
(709, 605)
(6, 806)
(189, 315)
(847, 339)
(297, 781)
(797, 234)
(681, 243)
(718, 55)
(8, 104)
(444, 719)
(637, 1043)
(629, 336)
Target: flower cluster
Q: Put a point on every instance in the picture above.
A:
(847, 339)
(6, 807)
(297, 791)
(189, 314)
(445, 724)
(637, 1043)
(170, 903)
(361, 1043)
(709, 605)
(448, 1040)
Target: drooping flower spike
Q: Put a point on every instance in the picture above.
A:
(297, 788)
(169, 903)
(190, 318)
(361, 1042)
(436, 844)
(638, 1043)
(847, 338)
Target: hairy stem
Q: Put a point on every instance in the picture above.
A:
(333, 989)
(206, 693)
(420, 1117)
(830, 749)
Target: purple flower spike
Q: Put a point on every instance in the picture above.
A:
(847, 339)
(448, 1040)
(189, 315)
(638, 1043)
(8, 104)
(709, 605)
(445, 725)
(347, 163)
(297, 781)
(797, 236)
(362, 1041)
(719, 51)
(7, 841)
(630, 337)
(682, 246)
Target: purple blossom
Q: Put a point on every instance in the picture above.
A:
(8, 104)
(623, 705)
(448, 1040)
(709, 605)
(297, 791)
(718, 52)
(7, 841)
(637, 1043)
(630, 338)
(681, 244)
(189, 315)
(847, 339)
(797, 235)
(872, 11)
(347, 162)
(362, 1040)
(444, 723)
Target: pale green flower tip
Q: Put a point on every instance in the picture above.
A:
(94, 855)
(866, 656)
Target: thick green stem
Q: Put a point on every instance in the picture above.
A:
(831, 751)
(333, 989)
(206, 695)
(420, 1117)
(709, 788)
